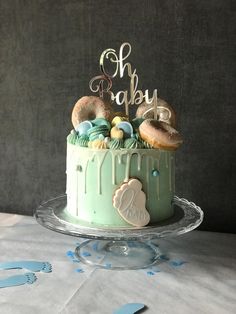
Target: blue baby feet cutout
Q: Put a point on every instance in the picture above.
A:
(34, 266)
(18, 280)
(130, 308)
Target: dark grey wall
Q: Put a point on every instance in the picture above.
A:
(50, 49)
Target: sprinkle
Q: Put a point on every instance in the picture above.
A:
(155, 173)
(150, 273)
(107, 266)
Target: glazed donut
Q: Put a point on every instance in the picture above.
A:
(164, 111)
(90, 108)
(160, 134)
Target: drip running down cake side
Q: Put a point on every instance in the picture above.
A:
(121, 170)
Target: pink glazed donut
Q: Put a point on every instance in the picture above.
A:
(160, 134)
(90, 108)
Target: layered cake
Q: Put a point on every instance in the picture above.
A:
(121, 170)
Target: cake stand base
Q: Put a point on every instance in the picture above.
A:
(119, 255)
(114, 248)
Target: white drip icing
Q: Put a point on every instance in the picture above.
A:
(100, 158)
(113, 169)
(139, 161)
(147, 176)
(127, 168)
(166, 159)
(83, 156)
(85, 176)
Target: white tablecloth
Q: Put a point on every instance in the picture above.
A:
(206, 283)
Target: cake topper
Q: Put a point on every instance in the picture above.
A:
(103, 83)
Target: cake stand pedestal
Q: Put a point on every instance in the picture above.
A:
(118, 248)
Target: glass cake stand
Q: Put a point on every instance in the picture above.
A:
(118, 248)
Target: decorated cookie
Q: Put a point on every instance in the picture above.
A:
(129, 200)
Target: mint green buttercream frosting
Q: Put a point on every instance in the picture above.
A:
(132, 143)
(116, 144)
(82, 141)
(72, 137)
(143, 143)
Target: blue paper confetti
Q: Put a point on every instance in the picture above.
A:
(176, 263)
(76, 261)
(95, 246)
(150, 273)
(70, 254)
(164, 258)
(79, 270)
(108, 266)
(156, 269)
(85, 254)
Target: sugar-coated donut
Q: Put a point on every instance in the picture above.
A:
(165, 112)
(90, 108)
(160, 134)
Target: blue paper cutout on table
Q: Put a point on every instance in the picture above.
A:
(130, 308)
(18, 280)
(70, 254)
(151, 271)
(34, 266)
(79, 270)
(108, 266)
(177, 263)
(163, 257)
(85, 254)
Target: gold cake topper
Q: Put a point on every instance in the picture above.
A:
(103, 83)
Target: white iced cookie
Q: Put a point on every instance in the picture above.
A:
(129, 200)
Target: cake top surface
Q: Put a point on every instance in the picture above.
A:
(97, 125)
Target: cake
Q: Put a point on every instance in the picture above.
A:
(121, 170)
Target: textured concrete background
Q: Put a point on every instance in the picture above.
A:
(50, 49)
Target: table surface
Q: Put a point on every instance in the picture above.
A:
(204, 283)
